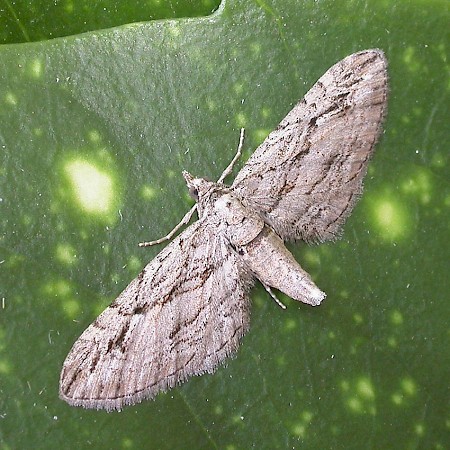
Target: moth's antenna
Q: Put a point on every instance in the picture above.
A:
(187, 217)
(184, 221)
(238, 154)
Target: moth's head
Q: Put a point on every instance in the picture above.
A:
(199, 188)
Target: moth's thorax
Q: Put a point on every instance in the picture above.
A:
(242, 224)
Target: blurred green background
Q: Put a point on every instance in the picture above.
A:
(95, 129)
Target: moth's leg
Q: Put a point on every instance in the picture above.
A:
(229, 169)
(184, 221)
(271, 293)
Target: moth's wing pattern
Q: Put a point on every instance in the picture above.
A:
(182, 316)
(307, 175)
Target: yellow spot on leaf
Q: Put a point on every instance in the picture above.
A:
(397, 399)
(259, 135)
(62, 291)
(419, 184)
(58, 288)
(148, 193)
(409, 386)
(68, 7)
(265, 113)
(392, 342)
(365, 389)
(127, 443)
(241, 120)
(5, 367)
(174, 30)
(359, 396)
(71, 308)
(355, 404)
(390, 218)
(410, 59)
(396, 318)
(312, 257)
(11, 99)
(299, 428)
(419, 429)
(357, 318)
(92, 187)
(36, 68)
(65, 254)
(290, 324)
(255, 48)
(94, 136)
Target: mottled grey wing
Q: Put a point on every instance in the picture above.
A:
(307, 175)
(182, 316)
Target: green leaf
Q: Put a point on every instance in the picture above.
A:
(94, 132)
(25, 21)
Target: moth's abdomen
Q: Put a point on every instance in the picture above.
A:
(266, 251)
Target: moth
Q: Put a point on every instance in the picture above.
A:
(189, 307)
